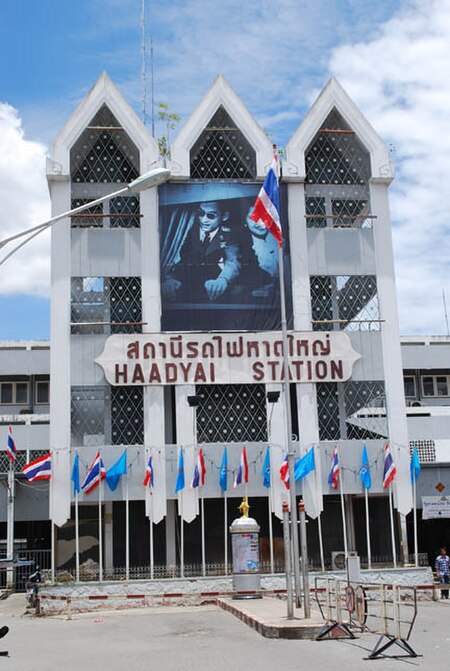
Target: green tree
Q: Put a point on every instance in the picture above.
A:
(170, 120)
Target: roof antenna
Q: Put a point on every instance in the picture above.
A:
(445, 311)
(143, 65)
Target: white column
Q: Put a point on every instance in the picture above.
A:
(108, 534)
(390, 337)
(60, 356)
(186, 439)
(278, 441)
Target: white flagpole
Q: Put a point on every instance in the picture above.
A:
(100, 530)
(10, 493)
(369, 551)
(319, 525)
(152, 558)
(344, 524)
(391, 512)
(127, 528)
(202, 513)
(53, 552)
(77, 541)
(182, 538)
(272, 563)
(225, 519)
(416, 545)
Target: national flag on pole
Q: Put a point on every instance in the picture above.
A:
(179, 485)
(95, 475)
(75, 477)
(242, 471)
(305, 465)
(333, 475)
(223, 477)
(199, 470)
(39, 469)
(116, 471)
(11, 448)
(149, 480)
(414, 466)
(284, 472)
(364, 471)
(267, 204)
(266, 469)
(389, 470)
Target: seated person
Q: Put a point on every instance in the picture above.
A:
(209, 262)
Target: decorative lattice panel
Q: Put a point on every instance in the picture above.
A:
(336, 155)
(104, 152)
(127, 416)
(231, 413)
(89, 413)
(100, 302)
(124, 212)
(91, 218)
(337, 207)
(21, 459)
(348, 302)
(222, 151)
(351, 411)
(426, 450)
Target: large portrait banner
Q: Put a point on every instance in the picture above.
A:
(219, 269)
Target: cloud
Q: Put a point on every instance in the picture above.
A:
(25, 202)
(399, 80)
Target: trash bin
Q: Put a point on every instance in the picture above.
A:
(245, 551)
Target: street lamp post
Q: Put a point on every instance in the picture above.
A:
(146, 181)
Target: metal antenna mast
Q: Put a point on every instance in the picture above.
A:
(143, 65)
(445, 311)
(151, 83)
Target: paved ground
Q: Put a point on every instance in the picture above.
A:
(198, 638)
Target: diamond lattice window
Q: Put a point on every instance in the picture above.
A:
(426, 450)
(89, 413)
(21, 459)
(336, 155)
(231, 413)
(222, 151)
(127, 416)
(121, 212)
(104, 152)
(106, 305)
(351, 410)
(337, 174)
(348, 302)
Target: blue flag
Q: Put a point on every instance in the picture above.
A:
(266, 469)
(116, 471)
(75, 477)
(414, 466)
(179, 485)
(305, 465)
(223, 479)
(364, 471)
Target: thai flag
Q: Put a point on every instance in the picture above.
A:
(149, 475)
(389, 470)
(199, 471)
(242, 471)
(333, 476)
(284, 472)
(39, 469)
(11, 448)
(267, 204)
(95, 475)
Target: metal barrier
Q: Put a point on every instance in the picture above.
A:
(387, 610)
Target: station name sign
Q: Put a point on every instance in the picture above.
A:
(226, 358)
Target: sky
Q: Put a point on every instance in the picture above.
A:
(391, 57)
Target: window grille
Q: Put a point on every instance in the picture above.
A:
(21, 459)
(351, 410)
(426, 450)
(106, 305)
(121, 212)
(344, 302)
(222, 151)
(89, 412)
(336, 155)
(127, 416)
(104, 152)
(231, 413)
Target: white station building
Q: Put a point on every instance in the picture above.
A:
(159, 347)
